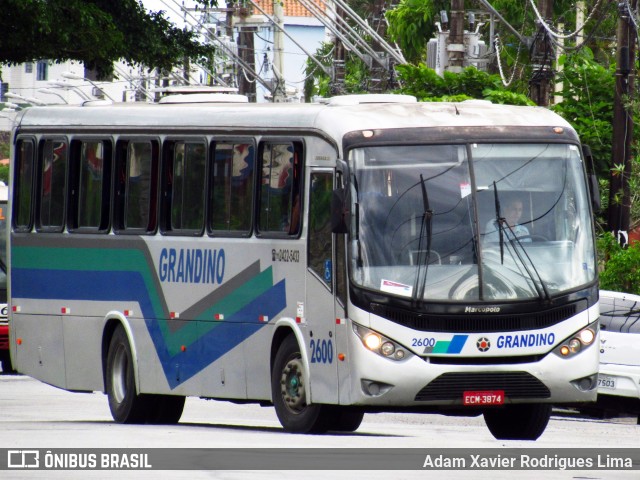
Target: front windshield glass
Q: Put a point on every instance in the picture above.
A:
(478, 222)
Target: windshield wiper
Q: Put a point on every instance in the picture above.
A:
(499, 221)
(424, 255)
(514, 240)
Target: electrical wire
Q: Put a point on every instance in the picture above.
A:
(557, 35)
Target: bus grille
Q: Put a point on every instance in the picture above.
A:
(450, 386)
(476, 323)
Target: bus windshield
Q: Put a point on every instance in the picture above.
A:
(477, 222)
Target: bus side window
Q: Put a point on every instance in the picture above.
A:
(231, 196)
(91, 181)
(136, 184)
(320, 251)
(23, 185)
(52, 184)
(280, 200)
(184, 187)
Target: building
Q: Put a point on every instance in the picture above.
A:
(69, 82)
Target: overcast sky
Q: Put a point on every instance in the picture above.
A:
(171, 7)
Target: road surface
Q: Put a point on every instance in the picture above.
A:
(37, 416)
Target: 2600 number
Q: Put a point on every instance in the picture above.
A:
(321, 351)
(423, 342)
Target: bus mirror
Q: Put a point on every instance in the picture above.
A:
(594, 188)
(594, 191)
(339, 211)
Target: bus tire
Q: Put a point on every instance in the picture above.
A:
(518, 422)
(346, 419)
(289, 389)
(5, 358)
(165, 409)
(126, 405)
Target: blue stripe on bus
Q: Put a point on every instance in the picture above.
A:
(457, 342)
(130, 286)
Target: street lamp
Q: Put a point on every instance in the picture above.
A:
(50, 91)
(31, 100)
(74, 76)
(73, 88)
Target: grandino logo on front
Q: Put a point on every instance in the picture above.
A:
(526, 340)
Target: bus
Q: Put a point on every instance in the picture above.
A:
(5, 358)
(329, 259)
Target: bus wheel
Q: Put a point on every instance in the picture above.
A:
(124, 402)
(5, 358)
(346, 419)
(518, 422)
(289, 389)
(165, 409)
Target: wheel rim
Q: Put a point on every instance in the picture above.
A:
(119, 374)
(293, 387)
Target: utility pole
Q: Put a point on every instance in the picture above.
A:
(456, 48)
(339, 57)
(379, 73)
(279, 89)
(246, 46)
(543, 58)
(619, 213)
(246, 51)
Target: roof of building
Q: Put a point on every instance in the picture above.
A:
(292, 8)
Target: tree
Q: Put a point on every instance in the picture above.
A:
(96, 32)
(412, 24)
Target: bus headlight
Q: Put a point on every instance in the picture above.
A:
(380, 344)
(578, 342)
(372, 341)
(387, 348)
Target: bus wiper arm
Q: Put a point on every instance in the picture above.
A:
(515, 241)
(500, 221)
(424, 255)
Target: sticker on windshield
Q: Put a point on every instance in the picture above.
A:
(396, 288)
(465, 189)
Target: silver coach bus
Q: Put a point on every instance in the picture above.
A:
(330, 259)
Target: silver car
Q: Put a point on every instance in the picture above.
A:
(619, 378)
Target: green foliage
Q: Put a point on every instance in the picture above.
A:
(620, 267)
(318, 82)
(96, 32)
(5, 144)
(412, 24)
(4, 174)
(588, 97)
(424, 83)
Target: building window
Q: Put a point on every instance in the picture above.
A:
(28, 67)
(43, 70)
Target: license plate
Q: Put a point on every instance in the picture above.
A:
(606, 382)
(490, 397)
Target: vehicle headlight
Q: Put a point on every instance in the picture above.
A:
(578, 342)
(380, 344)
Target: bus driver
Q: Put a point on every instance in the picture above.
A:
(511, 228)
